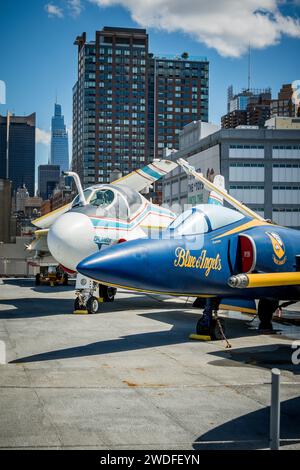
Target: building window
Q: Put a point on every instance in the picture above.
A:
(246, 172)
(289, 217)
(286, 151)
(285, 194)
(286, 172)
(246, 151)
(249, 194)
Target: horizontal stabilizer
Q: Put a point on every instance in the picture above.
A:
(144, 177)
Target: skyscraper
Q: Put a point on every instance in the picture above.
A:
(17, 150)
(177, 95)
(59, 140)
(128, 104)
(5, 210)
(48, 179)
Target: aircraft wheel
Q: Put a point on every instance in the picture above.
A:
(107, 293)
(77, 304)
(213, 330)
(92, 305)
(65, 279)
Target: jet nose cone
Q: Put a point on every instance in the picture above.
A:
(71, 239)
(116, 264)
(137, 264)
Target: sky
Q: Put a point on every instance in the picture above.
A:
(39, 60)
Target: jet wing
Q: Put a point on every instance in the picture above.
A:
(45, 221)
(146, 176)
(219, 190)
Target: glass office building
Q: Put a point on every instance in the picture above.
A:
(17, 150)
(59, 140)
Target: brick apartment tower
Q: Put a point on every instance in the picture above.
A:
(128, 105)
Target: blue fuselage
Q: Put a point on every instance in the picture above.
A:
(198, 265)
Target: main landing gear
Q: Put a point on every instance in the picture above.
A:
(86, 300)
(266, 308)
(210, 325)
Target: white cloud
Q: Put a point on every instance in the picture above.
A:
(75, 7)
(227, 26)
(42, 137)
(54, 10)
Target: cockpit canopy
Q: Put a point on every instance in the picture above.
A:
(203, 219)
(114, 201)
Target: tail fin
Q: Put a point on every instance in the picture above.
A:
(214, 197)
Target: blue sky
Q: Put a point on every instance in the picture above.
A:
(38, 58)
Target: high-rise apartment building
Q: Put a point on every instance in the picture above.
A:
(110, 103)
(284, 106)
(128, 105)
(17, 150)
(248, 108)
(178, 94)
(59, 140)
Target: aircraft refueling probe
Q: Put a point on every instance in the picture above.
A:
(78, 185)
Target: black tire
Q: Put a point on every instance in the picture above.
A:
(37, 279)
(92, 305)
(107, 293)
(65, 279)
(77, 305)
(213, 331)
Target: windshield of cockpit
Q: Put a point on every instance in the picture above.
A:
(106, 202)
(76, 201)
(118, 202)
(203, 219)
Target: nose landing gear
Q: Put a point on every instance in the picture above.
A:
(86, 301)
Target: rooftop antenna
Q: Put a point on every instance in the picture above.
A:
(249, 67)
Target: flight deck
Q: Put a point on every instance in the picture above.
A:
(129, 377)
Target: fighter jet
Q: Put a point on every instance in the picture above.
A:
(98, 217)
(225, 258)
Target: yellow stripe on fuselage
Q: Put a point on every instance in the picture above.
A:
(235, 308)
(243, 227)
(136, 289)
